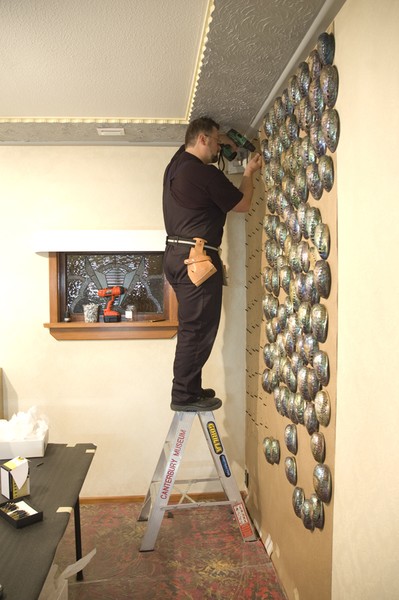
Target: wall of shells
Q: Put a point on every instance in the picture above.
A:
(291, 355)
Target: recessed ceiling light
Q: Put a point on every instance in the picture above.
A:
(110, 131)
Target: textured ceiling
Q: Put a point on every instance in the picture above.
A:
(147, 66)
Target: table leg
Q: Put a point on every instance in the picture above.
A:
(78, 537)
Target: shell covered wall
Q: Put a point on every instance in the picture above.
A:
(292, 327)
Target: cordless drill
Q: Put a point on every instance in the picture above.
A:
(111, 316)
(240, 140)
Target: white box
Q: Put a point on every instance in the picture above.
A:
(25, 448)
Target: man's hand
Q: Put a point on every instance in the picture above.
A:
(254, 164)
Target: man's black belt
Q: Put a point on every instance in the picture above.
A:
(177, 239)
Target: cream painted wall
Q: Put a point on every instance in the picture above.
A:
(115, 394)
(366, 516)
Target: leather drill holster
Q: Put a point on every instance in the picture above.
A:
(199, 264)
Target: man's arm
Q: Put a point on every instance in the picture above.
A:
(246, 186)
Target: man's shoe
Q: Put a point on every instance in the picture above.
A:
(208, 393)
(197, 405)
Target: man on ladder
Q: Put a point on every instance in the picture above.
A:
(196, 199)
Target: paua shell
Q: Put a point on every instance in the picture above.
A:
(290, 469)
(303, 77)
(289, 346)
(294, 93)
(299, 348)
(291, 414)
(310, 346)
(322, 240)
(267, 448)
(300, 286)
(305, 114)
(268, 180)
(313, 180)
(318, 446)
(269, 380)
(329, 85)
(322, 367)
(304, 316)
(323, 407)
(271, 279)
(279, 110)
(301, 185)
(293, 325)
(307, 514)
(299, 408)
(293, 259)
(298, 497)
(315, 64)
(281, 260)
(306, 151)
(270, 223)
(312, 219)
(294, 227)
(323, 278)
(270, 354)
(322, 482)
(301, 215)
(271, 195)
(270, 333)
(287, 104)
(277, 399)
(285, 275)
(313, 383)
(284, 137)
(281, 203)
(281, 234)
(288, 377)
(276, 170)
(304, 255)
(310, 420)
(319, 322)
(316, 100)
(318, 511)
(275, 451)
(270, 306)
(272, 250)
(291, 438)
(326, 172)
(326, 48)
(330, 128)
(291, 124)
(317, 139)
(276, 147)
(265, 150)
(302, 380)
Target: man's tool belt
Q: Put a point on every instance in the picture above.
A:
(199, 264)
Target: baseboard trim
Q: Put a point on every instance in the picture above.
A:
(174, 498)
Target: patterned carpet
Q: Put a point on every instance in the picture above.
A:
(199, 555)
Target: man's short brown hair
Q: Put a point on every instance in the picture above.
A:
(200, 125)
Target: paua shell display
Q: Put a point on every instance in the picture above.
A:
(323, 278)
(290, 469)
(310, 420)
(322, 482)
(330, 128)
(307, 514)
(318, 511)
(326, 172)
(318, 446)
(322, 367)
(323, 407)
(298, 497)
(326, 48)
(329, 85)
(291, 438)
(322, 240)
(319, 322)
(313, 180)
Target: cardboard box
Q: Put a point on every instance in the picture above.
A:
(26, 448)
(20, 514)
(14, 478)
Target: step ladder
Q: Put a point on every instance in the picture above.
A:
(164, 478)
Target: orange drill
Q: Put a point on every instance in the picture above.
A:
(111, 316)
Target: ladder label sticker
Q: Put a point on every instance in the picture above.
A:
(214, 437)
(242, 520)
(225, 465)
(170, 473)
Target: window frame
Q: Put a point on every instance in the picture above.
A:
(79, 330)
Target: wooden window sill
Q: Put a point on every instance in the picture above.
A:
(125, 330)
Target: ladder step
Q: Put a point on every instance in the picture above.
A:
(164, 478)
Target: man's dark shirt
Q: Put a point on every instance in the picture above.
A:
(196, 198)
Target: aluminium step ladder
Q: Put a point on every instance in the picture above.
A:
(164, 478)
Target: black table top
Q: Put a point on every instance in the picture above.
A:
(26, 554)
